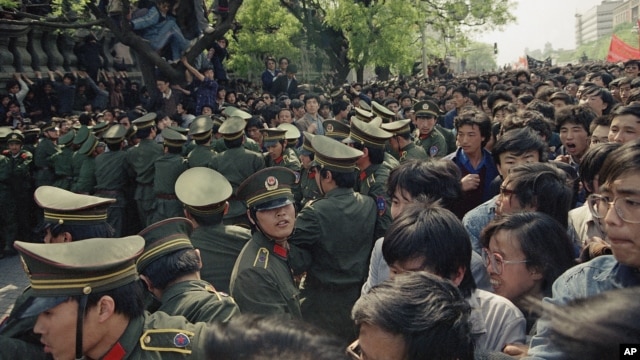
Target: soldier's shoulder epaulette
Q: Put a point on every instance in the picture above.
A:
(167, 340)
(262, 258)
(371, 179)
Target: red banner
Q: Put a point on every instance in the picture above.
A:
(620, 51)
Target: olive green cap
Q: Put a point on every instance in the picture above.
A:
(306, 148)
(100, 128)
(4, 132)
(293, 133)
(179, 129)
(67, 138)
(163, 238)
(173, 138)
(49, 126)
(81, 135)
(232, 128)
(65, 207)
(398, 127)
(334, 155)
(364, 106)
(203, 191)
(271, 136)
(367, 134)
(200, 128)
(89, 145)
(336, 129)
(382, 111)
(15, 137)
(426, 108)
(230, 111)
(79, 267)
(115, 134)
(32, 131)
(145, 121)
(268, 188)
(364, 115)
(131, 131)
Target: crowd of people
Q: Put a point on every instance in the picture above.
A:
(447, 218)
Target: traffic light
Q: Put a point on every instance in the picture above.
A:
(495, 48)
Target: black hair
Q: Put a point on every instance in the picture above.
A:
(258, 337)
(235, 143)
(543, 240)
(436, 180)
(435, 234)
(474, 117)
(128, 299)
(428, 312)
(167, 268)
(592, 162)
(519, 141)
(575, 114)
(342, 179)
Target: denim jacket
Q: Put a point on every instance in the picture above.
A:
(596, 276)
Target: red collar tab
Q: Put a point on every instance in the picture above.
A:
(117, 352)
(280, 250)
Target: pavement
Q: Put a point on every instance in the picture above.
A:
(13, 280)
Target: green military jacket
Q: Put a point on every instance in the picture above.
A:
(290, 161)
(308, 186)
(76, 166)
(373, 182)
(261, 281)
(63, 168)
(141, 158)
(333, 239)
(42, 160)
(219, 247)
(86, 178)
(20, 180)
(198, 301)
(167, 170)
(412, 151)
(433, 144)
(201, 155)
(449, 138)
(236, 165)
(111, 171)
(159, 336)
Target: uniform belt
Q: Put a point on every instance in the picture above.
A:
(167, 196)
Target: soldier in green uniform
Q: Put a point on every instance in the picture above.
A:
(372, 179)
(86, 180)
(142, 159)
(112, 174)
(293, 137)
(21, 191)
(62, 161)
(333, 240)
(430, 139)
(78, 158)
(236, 164)
(67, 217)
(89, 302)
(262, 282)
(382, 112)
(308, 185)
(47, 147)
(99, 128)
(204, 194)
(249, 144)
(401, 141)
(170, 269)
(167, 169)
(336, 129)
(200, 131)
(278, 154)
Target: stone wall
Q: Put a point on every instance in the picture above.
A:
(30, 48)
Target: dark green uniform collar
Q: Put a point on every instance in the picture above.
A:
(127, 341)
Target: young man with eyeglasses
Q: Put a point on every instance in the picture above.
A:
(618, 206)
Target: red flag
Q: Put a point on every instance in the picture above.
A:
(620, 51)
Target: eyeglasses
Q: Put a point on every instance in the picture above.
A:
(497, 262)
(504, 192)
(628, 210)
(354, 351)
